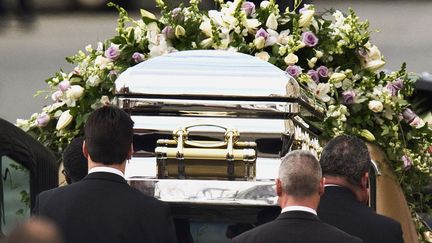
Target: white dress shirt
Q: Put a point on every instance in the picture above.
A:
(299, 208)
(106, 169)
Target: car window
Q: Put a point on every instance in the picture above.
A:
(14, 194)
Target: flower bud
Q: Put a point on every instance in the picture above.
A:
(64, 120)
(64, 85)
(271, 22)
(337, 77)
(180, 31)
(42, 120)
(206, 43)
(259, 42)
(75, 92)
(264, 4)
(263, 56)
(56, 95)
(306, 18)
(374, 65)
(367, 135)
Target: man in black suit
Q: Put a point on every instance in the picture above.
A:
(299, 187)
(345, 163)
(102, 207)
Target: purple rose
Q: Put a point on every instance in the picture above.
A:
(64, 85)
(293, 70)
(323, 71)
(395, 86)
(113, 52)
(406, 162)
(348, 97)
(169, 32)
(309, 39)
(262, 33)
(138, 57)
(248, 7)
(408, 115)
(314, 75)
(42, 120)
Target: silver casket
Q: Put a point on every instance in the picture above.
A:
(207, 96)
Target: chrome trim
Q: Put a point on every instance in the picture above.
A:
(375, 168)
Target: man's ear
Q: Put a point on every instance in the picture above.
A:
(278, 187)
(85, 150)
(321, 188)
(364, 181)
(130, 152)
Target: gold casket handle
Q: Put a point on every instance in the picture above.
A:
(231, 136)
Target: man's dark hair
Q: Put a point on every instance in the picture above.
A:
(108, 135)
(345, 156)
(74, 162)
(300, 173)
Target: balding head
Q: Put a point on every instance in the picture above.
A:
(300, 174)
(35, 230)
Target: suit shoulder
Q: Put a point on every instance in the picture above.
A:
(339, 235)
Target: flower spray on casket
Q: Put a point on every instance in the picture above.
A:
(328, 52)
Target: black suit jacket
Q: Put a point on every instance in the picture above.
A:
(295, 226)
(339, 207)
(103, 208)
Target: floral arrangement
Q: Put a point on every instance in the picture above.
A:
(328, 52)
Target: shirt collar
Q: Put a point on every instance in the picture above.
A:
(106, 169)
(299, 208)
(326, 185)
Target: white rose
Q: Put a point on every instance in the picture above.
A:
(93, 81)
(64, 120)
(374, 65)
(264, 4)
(291, 59)
(271, 22)
(375, 106)
(263, 56)
(102, 62)
(259, 42)
(75, 92)
(306, 18)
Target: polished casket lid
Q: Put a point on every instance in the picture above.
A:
(205, 72)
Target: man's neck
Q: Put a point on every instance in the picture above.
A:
(120, 167)
(287, 201)
(339, 181)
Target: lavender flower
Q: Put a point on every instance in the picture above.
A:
(56, 95)
(395, 86)
(138, 57)
(64, 85)
(177, 14)
(313, 75)
(168, 31)
(406, 162)
(323, 71)
(348, 97)
(113, 52)
(309, 39)
(42, 120)
(408, 115)
(248, 7)
(262, 33)
(293, 70)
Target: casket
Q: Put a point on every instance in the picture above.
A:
(210, 130)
